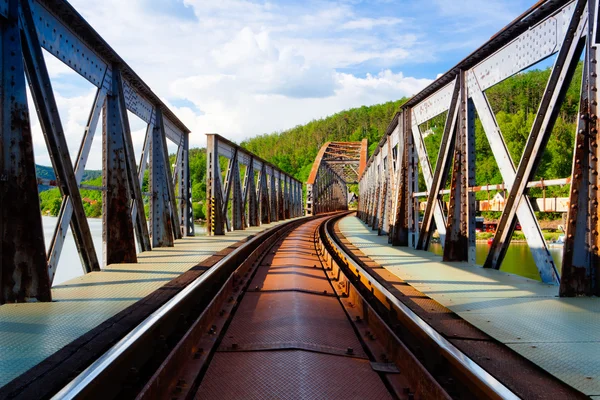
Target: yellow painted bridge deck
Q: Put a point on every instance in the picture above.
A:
(31, 332)
(561, 335)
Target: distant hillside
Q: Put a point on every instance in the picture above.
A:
(514, 101)
(45, 172)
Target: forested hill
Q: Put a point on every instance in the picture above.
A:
(514, 101)
(295, 150)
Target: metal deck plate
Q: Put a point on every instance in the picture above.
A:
(561, 335)
(292, 374)
(29, 333)
(291, 317)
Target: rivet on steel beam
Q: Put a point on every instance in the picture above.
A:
(349, 350)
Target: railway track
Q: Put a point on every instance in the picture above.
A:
(288, 315)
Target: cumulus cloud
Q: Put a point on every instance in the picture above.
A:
(246, 67)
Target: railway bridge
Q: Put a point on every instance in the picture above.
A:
(289, 294)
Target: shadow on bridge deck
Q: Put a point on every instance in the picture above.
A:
(558, 334)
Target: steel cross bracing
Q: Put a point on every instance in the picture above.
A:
(26, 269)
(263, 194)
(337, 165)
(389, 186)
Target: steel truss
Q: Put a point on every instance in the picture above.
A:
(264, 193)
(337, 165)
(389, 185)
(26, 269)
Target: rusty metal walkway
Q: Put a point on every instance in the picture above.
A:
(290, 336)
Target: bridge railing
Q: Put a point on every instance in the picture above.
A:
(389, 186)
(28, 27)
(246, 190)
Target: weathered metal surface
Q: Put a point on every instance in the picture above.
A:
(548, 28)
(560, 78)
(290, 344)
(23, 270)
(117, 227)
(337, 164)
(460, 240)
(239, 202)
(140, 225)
(66, 209)
(55, 26)
(43, 96)
(443, 163)
(581, 264)
(160, 215)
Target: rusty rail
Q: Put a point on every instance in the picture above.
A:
(271, 309)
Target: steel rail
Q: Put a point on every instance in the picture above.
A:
(78, 385)
(469, 367)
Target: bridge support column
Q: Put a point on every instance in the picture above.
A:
(117, 225)
(160, 215)
(43, 96)
(23, 267)
(138, 214)
(581, 255)
(402, 199)
(185, 190)
(460, 230)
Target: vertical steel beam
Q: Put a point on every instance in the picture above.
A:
(250, 195)
(560, 77)
(185, 189)
(402, 199)
(41, 90)
(23, 270)
(263, 196)
(214, 195)
(140, 224)
(160, 216)
(460, 234)
(413, 181)
(171, 190)
(236, 187)
(117, 227)
(272, 196)
(581, 264)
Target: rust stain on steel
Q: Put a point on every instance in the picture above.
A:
(286, 343)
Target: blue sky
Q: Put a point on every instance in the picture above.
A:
(242, 68)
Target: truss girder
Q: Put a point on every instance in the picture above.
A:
(337, 165)
(26, 270)
(550, 27)
(260, 195)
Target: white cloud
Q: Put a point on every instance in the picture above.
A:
(370, 23)
(250, 67)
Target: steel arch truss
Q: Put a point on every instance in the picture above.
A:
(26, 269)
(263, 194)
(388, 188)
(337, 165)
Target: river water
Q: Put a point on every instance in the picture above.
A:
(69, 265)
(518, 258)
